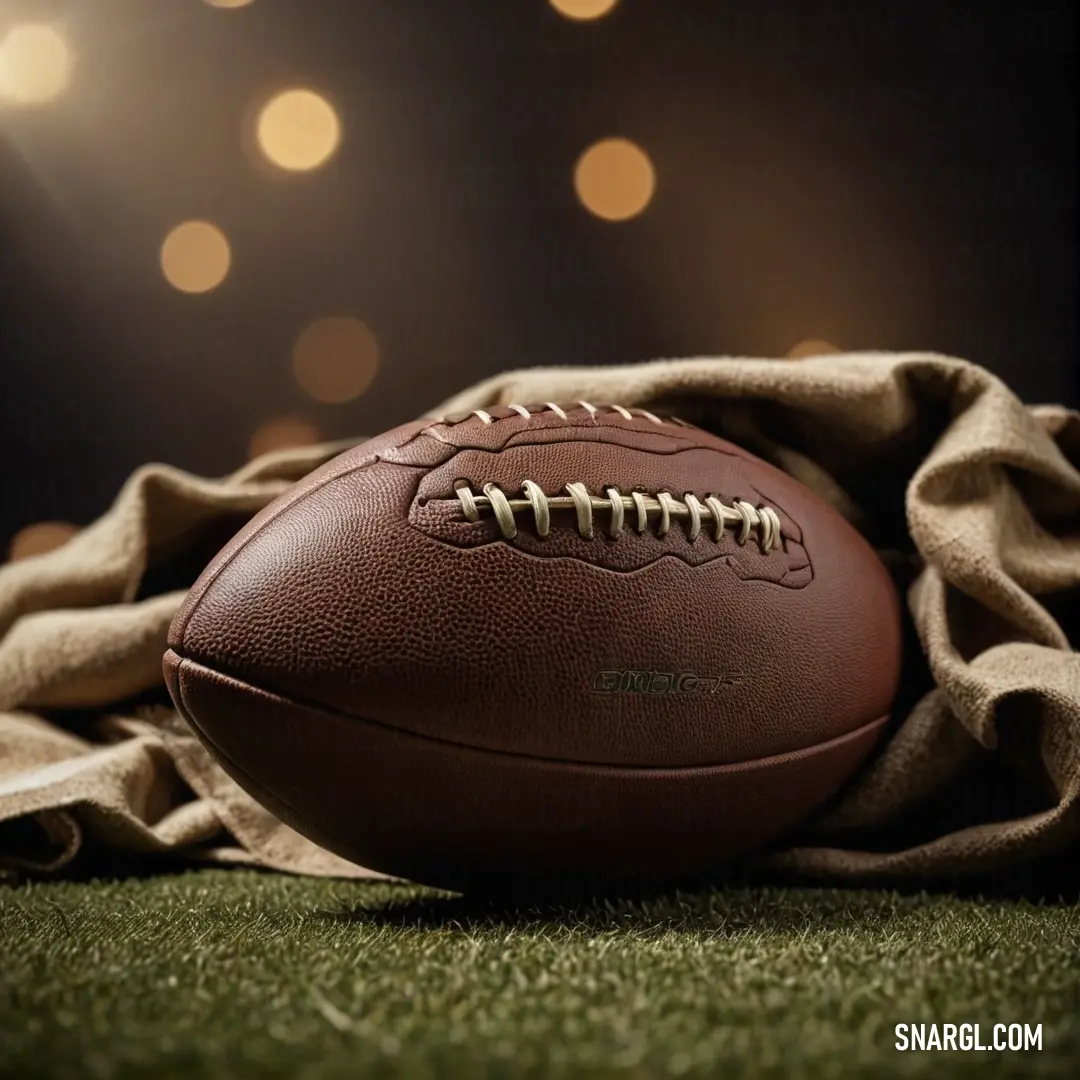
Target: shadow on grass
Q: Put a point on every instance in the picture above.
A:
(726, 911)
(741, 898)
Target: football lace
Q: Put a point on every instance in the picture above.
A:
(504, 412)
(662, 508)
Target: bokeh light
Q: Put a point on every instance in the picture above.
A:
(195, 257)
(615, 179)
(228, 3)
(35, 65)
(336, 359)
(811, 347)
(581, 10)
(39, 538)
(298, 130)
(282, 433)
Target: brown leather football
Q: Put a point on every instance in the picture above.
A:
(541, 642)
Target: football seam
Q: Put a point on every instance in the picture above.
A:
(234, 770)
(290, 700)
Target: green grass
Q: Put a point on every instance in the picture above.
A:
(219, 974)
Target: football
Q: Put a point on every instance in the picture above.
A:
(541, 642)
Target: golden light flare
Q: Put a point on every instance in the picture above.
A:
(811, 347)
(40, 538)
(228, 3)
(298, 130)
(336, 359)
(615, 179)
(35, 65)
(583, 10)
(195, 257)
(282, 433)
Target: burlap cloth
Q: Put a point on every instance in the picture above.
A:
(972, 497)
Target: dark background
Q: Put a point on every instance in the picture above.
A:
(880, 176)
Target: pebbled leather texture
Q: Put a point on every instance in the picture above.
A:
(364, 592)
